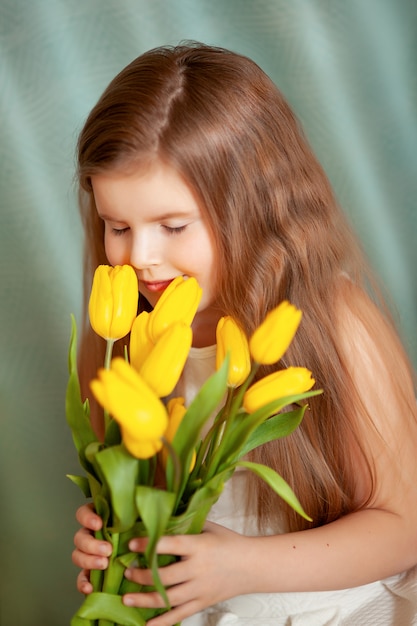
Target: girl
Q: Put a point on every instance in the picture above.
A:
(192, 164)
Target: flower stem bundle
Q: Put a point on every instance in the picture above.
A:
(155, 473)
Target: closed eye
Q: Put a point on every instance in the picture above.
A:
(119, 231)
(174, 230)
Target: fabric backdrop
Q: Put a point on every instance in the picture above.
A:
(347, 68)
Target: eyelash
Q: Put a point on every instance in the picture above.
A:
(170, 230)
(119, 231)
(177, 230)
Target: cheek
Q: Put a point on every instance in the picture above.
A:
(208, 266)
(116, 252)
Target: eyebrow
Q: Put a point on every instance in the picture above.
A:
(157, 218)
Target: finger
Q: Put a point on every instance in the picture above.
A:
(86, 516)
(177, 545)
(154, 601)
(176, 615)
(148, 600)
(177, 595)
(85, 542)
(83, 582)
(169, 575)
(88, 561)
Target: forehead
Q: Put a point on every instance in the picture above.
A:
(156, 188)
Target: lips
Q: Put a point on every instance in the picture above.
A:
(157, 286)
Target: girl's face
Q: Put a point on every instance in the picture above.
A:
(153, 223)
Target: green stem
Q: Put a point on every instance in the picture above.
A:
(205, 447)
(176, 464)
(96, 575)
(233, 404)
(109, 352)
(238, 398)
(225, 414)
(114, 573)
(107, 361)
(215, 435)
(113, 576)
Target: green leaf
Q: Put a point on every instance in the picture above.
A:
(128, 559)
(199, 504)
(110, 607)
(95, 485)
(277, 483)
(275, 427)
(80, 621)
(119, 470)
(155, 507)
(200, 410)
(113, 436)
(82, 483)
(240, 428)
(77, 412)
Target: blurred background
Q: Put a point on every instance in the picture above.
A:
(349, 71)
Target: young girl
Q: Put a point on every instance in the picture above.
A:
(192, 164)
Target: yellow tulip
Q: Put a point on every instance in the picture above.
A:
(140, 345)
(288, 382)
(164, 364)
(176, 412)
(141, 415)
(231, 339)
(178, 303)
(113, 301)
(271, 339)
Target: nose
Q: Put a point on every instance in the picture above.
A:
(144, 251)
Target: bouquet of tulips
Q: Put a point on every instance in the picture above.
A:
(155, 473)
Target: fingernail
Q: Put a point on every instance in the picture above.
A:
(128, 573)
(127, 600)
(105, 549)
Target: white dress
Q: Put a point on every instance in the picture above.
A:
(389, 602)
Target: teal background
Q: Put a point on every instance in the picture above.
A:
(348, 67)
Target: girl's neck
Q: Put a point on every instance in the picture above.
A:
(204, 327)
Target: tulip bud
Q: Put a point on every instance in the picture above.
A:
(141, 415)
(231, 339)
(288, 382)
(140, 345)
(113, 301)
(178, 303)
(164, 364)
(271, 339)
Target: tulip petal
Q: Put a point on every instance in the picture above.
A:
(178, 303)
(288, 382)
(100, 304)
(232, 340)
(142, 417)
(163, 366)
(141, 448)
(140, 345)
(272, 338)
(125, 299)
(113, 301)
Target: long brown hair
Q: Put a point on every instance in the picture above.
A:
(224, 126)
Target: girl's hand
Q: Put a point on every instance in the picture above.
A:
(89, 553)
(211, 569)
